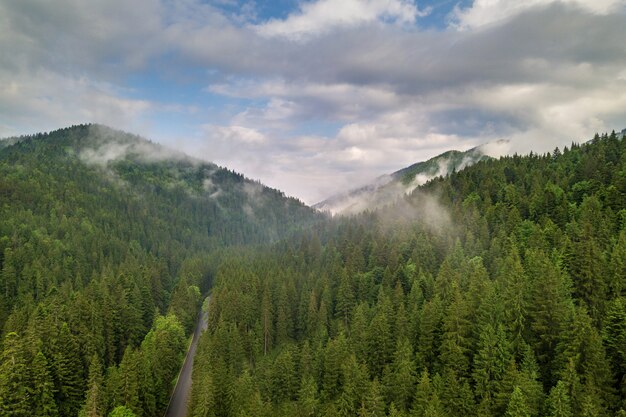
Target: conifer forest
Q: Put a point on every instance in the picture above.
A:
(496, 290)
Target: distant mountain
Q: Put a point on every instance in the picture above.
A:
(388, 188)
(224, 205)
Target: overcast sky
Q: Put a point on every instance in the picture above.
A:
(313, 97)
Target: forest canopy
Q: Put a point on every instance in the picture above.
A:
(499, 290)
(509, 302)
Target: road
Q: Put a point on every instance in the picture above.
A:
(178, 403)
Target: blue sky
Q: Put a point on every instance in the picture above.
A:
(317, 96)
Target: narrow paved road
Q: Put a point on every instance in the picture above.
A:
(178, 402)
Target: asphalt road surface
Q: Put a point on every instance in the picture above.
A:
(178, 402)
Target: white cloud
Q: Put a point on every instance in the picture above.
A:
(487, 12)
(44, 100)
(322, 16)
(236, 135)
(368, 92)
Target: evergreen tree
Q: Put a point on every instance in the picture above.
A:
(517, 405)
(373, 404)
(121, 411)
(515, 291)
(422, 396)
(558, 403)
(308, 401)
(202, 402)
(456, 341)
(43, 389)
(400, 381)
(345, 298)
(94, 403)
(550, 309)
(490, 364)
(15, 392)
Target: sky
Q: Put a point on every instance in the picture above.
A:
(319, 96)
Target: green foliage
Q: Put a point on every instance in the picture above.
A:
(102, 233)
(516, 309)
(513, 305)
(121, 411)
(558, 403)
(517, 405)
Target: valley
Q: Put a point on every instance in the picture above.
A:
(496, 287)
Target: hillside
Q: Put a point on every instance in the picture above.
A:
(385, 190)
(498, 290)
(100, 236)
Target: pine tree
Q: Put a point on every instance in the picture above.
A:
(515, 289)
(267, 320)
(423, 395)
(354, 380)
(68, 372)
(246, 398)
(43, 389)
(490, 363)
(359, 330)
(456, 396)
(15, 392)
(401, 378)
(308, 401)
(550, 309)
(558, 403)
(585, 263)
(122, 411)
(583, 346)
(614, 337)
(284, 377)
(380, 339)
(456, 341)
(334, 356)
(517, 405)
(434, 407)
(617, 282)
(430, 332)
(373, 404)
(203, 403)
(95, 394)
(345, 299)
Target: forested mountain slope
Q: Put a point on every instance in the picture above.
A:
(389, 188)
(497, 291)
(100, 273)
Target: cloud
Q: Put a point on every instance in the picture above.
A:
(110, 146)
(236, 135)
(316, 102)
(322, 16)
(44, 100)
(98, 36)
(487, 12)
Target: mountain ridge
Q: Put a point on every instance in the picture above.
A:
(386, 189)
(156, 171)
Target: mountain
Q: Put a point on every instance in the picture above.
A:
(506, 298)
(388, 188)
(107, 241)
(498, 289)
(224, 205)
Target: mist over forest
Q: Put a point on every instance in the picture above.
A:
(313, 208)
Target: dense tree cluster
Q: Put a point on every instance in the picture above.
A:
(100, 272)
(497, 291)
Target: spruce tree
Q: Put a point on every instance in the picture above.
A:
(558, 403)
(43, 389)
(517, 405)
(94, 404)
(16, 395)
